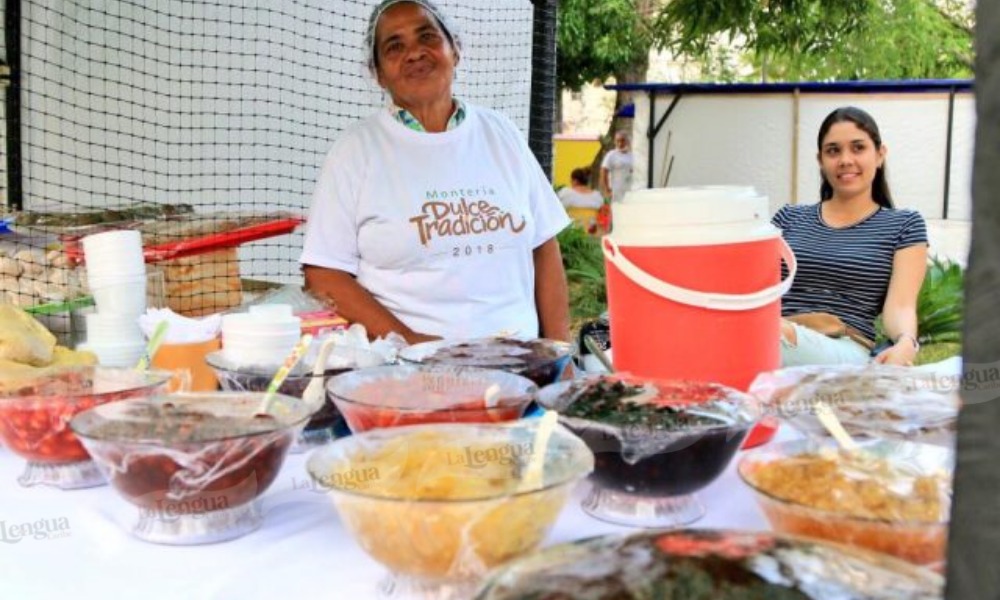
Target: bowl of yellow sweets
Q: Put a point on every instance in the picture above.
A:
(440, 505)
(891, 496)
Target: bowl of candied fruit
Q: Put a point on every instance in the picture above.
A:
(891, 496)
(36, 407)
(543, 361)
(407, 394)
(193, 465)
(656, 442)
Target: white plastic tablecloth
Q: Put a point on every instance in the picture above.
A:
(301, 551)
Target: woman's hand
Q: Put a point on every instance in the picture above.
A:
(356, 304)
(902, 353)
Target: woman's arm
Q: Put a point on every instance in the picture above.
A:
(899, 314)
(356, 304)
(551, 292)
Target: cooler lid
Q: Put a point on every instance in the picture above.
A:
(696, 215)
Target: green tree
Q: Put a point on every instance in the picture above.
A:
(782, 40)
(602, 39)
(815, 40)
(778, 40)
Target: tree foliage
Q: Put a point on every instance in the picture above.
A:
(810, 40)
(601, 39)
(778, 40)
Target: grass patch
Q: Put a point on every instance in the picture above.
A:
(932, 353)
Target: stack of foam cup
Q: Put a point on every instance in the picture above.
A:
(116, 276)
(264, 335)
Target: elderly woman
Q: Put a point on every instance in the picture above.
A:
(431, 218)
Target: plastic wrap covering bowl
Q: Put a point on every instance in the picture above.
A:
(894, 497)
(717, 564)
(655, 442)
(193, 464)
(327, 421)
(35, 410)
(440, 505)
(871, 401)
(540, 360)
(398, 395)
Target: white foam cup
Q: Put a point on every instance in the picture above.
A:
(125, 298)
(112, 328)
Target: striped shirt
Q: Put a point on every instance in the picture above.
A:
(845, 271)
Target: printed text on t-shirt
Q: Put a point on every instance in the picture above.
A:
(463, 217)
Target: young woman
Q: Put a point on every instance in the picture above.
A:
(858, 256)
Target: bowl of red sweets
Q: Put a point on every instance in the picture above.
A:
(407, 394)
(194, 465)
(37, 405)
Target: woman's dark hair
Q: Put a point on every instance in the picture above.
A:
(865, 122)
(581, 175)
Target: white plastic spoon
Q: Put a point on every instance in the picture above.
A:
(314, 395)
(267, 405)
(532, 478)
(833, 425)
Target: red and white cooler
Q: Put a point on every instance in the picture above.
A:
(694, 286)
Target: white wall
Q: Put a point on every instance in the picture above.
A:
(750, 139)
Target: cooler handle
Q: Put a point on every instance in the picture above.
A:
(732, 302)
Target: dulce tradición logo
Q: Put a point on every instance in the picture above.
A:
(42, 529)
(440, 217)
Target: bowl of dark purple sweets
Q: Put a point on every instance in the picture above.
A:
(655, 442)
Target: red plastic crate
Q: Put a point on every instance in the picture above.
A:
(200, 245)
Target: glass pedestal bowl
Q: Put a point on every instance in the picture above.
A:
(895, 498)
(871, 401)
(716, 564)
(327, 423)
(393, 396)
(542, 361)
(192, 464)
(440, 505)
(655, 443)
(35, 410)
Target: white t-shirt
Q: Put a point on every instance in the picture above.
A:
(619, 166)
(438, 227)
(571, 198)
